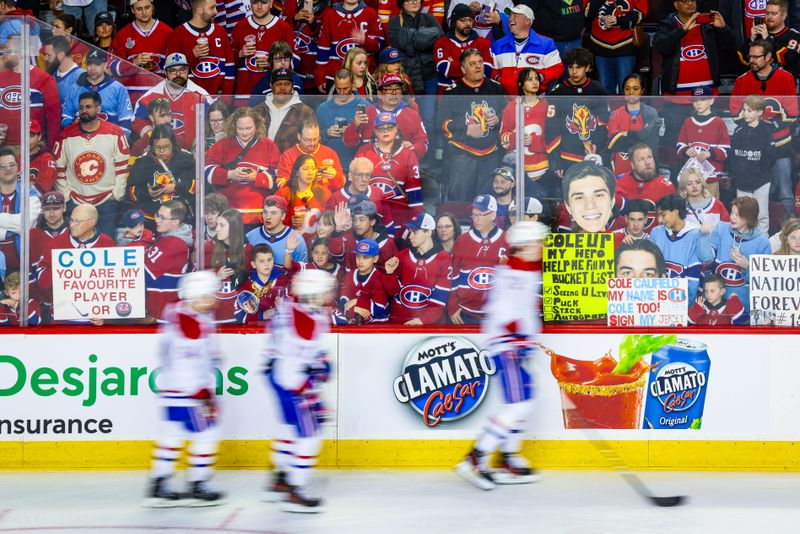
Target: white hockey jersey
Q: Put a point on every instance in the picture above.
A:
(512, 309)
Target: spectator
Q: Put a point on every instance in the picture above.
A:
(320, 256)
(211, 62)
(226, 257)
(213, 204)
(363, 298)
(9, 304)
(302, 192)
(471, 123)
(535, 115)
(281, 56)
(117, 107)
(183, 96)
(165, 173)
(386, 10)
(242, 165)
(752, 155)
(633, 123)
(92, 162)
(51, 224)
(448, 229)
(283, 111)
(782, 37)
(588, 191)
(713, 307)
(611, 35)
(229, 14)
(12, 21)
(67, 26)
(365, 225)
(59, 63)
(679, 242)
(11, 192)
(390, 61)
(559, 21)
(639, 258)
(503, 182)
(218, 113)
(730, 245)
(337, 113)
(276, 234)
(327, 161)
(358, 188)
(638, 215)
(789, 238)
(43, 163)
(701, 206)
(267, 282)
(395, 170)
(533, 49)
(491, 22)
(448, 48)
(475, 254)
(390, 98)
(704, 136)
(349, 22)
(741, 17)
(86, 10)
(105, 30)
(158, 112)
(533, 210)
(307, 25)
(777, 87)
(418, 277)
(644, 181)
(132, 233)
(357, 62)
(251, 39)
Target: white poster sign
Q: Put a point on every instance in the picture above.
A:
(648, 302)
(774, 290)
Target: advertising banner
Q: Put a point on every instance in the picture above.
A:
(774, 290)
(98, 283)
(575, 270)
(648, 302)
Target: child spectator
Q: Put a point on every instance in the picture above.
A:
(132, 233)
(267, 283)
(636, 213)
(225, 256)
(214, 205)
(713, 308)
(363, 298)
(321, 259)
(9, 304)
(365, 226)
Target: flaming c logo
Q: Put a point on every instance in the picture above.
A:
(581, 122)
(477, 115)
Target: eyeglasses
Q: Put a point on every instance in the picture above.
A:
(7, 165)
(162, 218)
(216, 121)
(477, 215)
(756, 56)
(162, 149)
(393, 90)
(385, 128)
(177, 70)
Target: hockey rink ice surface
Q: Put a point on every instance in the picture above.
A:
(405, 502)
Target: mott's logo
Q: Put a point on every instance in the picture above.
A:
(444, 379)
(677, 386)
(89, 381)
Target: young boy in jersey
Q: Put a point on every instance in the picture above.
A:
(296, 366)
(511, 330)
(714, 307)
(363, 298)
(132, 233)
(9, 303)
(186, 384)
(267, 282)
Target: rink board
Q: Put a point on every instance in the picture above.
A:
(101, 386)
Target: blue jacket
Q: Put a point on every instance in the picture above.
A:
(116, 104)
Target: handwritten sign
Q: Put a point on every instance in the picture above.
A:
(648, 302)
(575, 270)
(98, 283)
(774, 290)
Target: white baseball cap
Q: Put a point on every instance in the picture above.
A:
(521, 9)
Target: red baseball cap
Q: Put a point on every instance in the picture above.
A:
(390, 78)
(35, 126)
(277, 201)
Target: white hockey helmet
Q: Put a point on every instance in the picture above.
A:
(526, 233)
(310, 282)
(197, 285)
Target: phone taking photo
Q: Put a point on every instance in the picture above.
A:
(705, 18)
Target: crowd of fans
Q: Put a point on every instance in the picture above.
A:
(378, 141)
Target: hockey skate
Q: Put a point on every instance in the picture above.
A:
(160, 496)
(278, 490)
(200, 495)
(296, 500)
(515, 469)
(474, 470)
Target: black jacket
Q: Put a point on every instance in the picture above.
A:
(752, 155)
(556, 19)
(415, 38)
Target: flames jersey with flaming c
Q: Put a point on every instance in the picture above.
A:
(477, 115)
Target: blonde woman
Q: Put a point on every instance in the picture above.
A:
(701, 205)
(357, 62)
(790, 238)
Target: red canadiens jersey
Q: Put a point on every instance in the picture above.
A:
(447, 51)
(397, 176)
(388, 8)
(64, 240)
(165, 261)
(629, 188)
(409, 123)
(727, 312)
(184, 111)
(91, 166)
(694, 69)
(373, 194)
(247, 197)
(326, 159)
(43, 171)
(712, 212)
(10, 316)
(267, 292)
(711, 135)
(131, 41)
(343, 249)
(248, 74)
(622, 233)
(41, 239)
(306, 37)
(44, 103)
(214, 72)
(535, 116)
(420, 286)
(336, 38)
(474, 260)
(369, 293)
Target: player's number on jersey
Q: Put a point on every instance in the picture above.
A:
(154, 253)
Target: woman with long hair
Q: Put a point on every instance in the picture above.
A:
(701, 205)
(105, 29)
(357, 62)
(633, 123)
(302, 193)
(67, 26)
(225, 256)
(218, 113)
(447, 231)
(790, 238)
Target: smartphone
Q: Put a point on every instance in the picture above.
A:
(308, 5)
(341, 123)
(705, 18)
(230, 265)
(361, 108)
(757, 21)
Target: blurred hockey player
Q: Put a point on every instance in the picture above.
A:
(186, 384)
(511, 323)
(296, 368)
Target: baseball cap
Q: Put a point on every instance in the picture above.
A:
(506, 173)
(485, 203)
(390, 55)
(132, 2)
(422, 221)
(703, 90)
(365, 207)
(459, 12)
(385, 118)
(281, 74)
(520, 10)
(533, 207)
(390, 78)
(36, 127)
(367, 247)
(103, 16)
(96, 56)
(278, 202)
(132, 218)
(53, 198)
(175, 60)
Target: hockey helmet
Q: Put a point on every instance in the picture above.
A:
(197, 285)
(526, 232)
(310, 282)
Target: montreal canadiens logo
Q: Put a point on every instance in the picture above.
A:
(414, 297)
(89, 167)
(481, 278)
(693, 53)
(532, 60)
(251, 64)
(302, 43)
(755, 8)
(344, 46)
(444, 379)
(11, 97)
(732, 274)
(674, 270)
(177, 121)
(208, 68)
(677, 386)
(385, 185)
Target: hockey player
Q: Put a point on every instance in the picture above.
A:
(186, 384)
(511, 331)
(296, 366)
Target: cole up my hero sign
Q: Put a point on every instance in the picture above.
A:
(444, 379)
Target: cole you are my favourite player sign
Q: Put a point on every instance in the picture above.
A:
(98, 283)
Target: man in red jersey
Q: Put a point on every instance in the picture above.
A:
(644, 181)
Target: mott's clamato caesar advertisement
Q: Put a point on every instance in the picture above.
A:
(444, 379)
(575, 270)
(630, 392)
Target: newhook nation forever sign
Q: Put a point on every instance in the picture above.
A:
(774, 290)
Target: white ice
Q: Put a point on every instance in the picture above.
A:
(410, 502)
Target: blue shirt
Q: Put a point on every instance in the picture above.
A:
(328, 113)
(277, 242)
